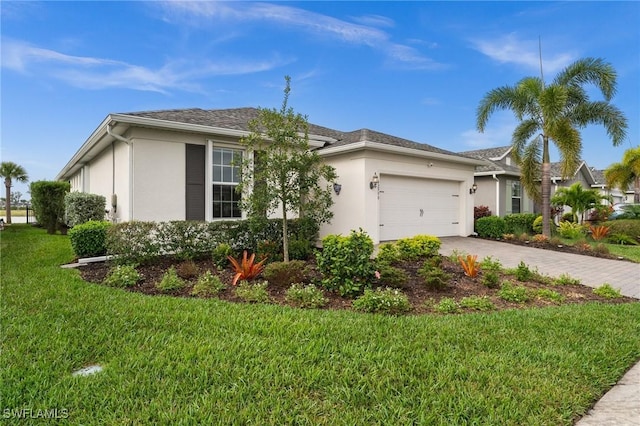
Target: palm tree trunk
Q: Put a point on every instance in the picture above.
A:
(546, 187)
(636, 190)
(7, 203)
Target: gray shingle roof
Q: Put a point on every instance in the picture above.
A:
(493, 165)
(233, 118)
(238, 118)
(367, 135)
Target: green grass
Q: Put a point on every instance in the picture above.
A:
(627, 251)
(203, 361)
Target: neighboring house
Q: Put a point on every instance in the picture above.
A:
(179, 165)
(617, 195)
(498, 182)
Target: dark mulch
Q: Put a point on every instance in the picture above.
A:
(574, 249)
(420, 296)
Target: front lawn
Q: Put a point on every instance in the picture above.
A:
(174, 360)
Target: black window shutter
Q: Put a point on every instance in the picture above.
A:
(195, 199)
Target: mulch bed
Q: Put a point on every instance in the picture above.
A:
(422, 299)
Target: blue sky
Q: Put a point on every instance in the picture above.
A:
(416, 70)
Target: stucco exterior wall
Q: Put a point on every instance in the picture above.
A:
(487, 194)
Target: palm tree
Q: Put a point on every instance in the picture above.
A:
(578, 198)
(626, 174)
(553, 113)
(11, 171)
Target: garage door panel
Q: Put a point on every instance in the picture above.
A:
(411, 206)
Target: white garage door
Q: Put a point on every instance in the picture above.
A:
(411, 206)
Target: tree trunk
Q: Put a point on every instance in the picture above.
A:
(636, 190)
(7, 203)
(546, 188)
(285, 236)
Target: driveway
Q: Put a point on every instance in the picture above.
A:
(592, 271)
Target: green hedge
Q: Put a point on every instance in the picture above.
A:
(140, 242)
(81, 207)
(89, 238)
(517, 223)
(47, 198)
(491, 227)
(629, 227)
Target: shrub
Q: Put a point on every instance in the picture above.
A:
(628, 227)
(490, 227)
(417, 247)
(622, 239)
(568, 217)
(185, 240)
(81, 207)
(270, 250)
(607, 291)
(582, 245)
(299, 249)
(517, 223)
(490, 264)
(537, 225)
(388, 253)
(208, 285)
(601, 248)
(447, 305)
(305, 296)
(523, 273)
(550, 295)
(47, 198)
(282, 274)
(434, 277)
(253, 293)
(220, 255)
(477, 303)
(247, 268)
(513, 293)
(566, 279)
(491, 279)
(122, 276)
(345, 263)
(391, 276)
(133, 242)
(385, 301)
(539, 238)
(571, 230)
(170, 281)
(187, 269)
(480, 211)
(89, 238)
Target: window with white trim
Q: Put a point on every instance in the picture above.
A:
(227, 165)
(516, 196)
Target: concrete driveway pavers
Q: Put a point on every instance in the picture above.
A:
(621, 405)
(592, 271)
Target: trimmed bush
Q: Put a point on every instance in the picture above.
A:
(385, 301)
(490, 227)
(81, 207)
(417, 247)
(252, 293)
(220, 255)
(630, 227)
(391, 276)
(208, 285)
(122, 276)
(518, 223)
(481, 211)
(133, 242)
(346, 263)
(308, 296)
(89, 238)
(47, 198)
(281, 274)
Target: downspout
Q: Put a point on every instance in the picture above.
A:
(114, 197)
(497, 194)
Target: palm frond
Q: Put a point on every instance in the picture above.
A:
(603, 113)
(530, 169)
(497, 99)
(590, 70)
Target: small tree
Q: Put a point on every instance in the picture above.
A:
(281, 172)
(11, 171)
(578, 198)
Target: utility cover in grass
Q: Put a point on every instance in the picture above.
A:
(87, 371)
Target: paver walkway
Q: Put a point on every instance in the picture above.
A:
(592, 271)
(621, 405)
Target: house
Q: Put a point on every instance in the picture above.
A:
(179, 165)
(617, 196)
(498, 182)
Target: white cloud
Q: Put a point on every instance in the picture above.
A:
(362, 33)
(99, 73)
(498, 133)
(509, 49)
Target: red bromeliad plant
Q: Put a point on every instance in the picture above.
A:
(247, 268)
(599, 232)
(470, 265)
